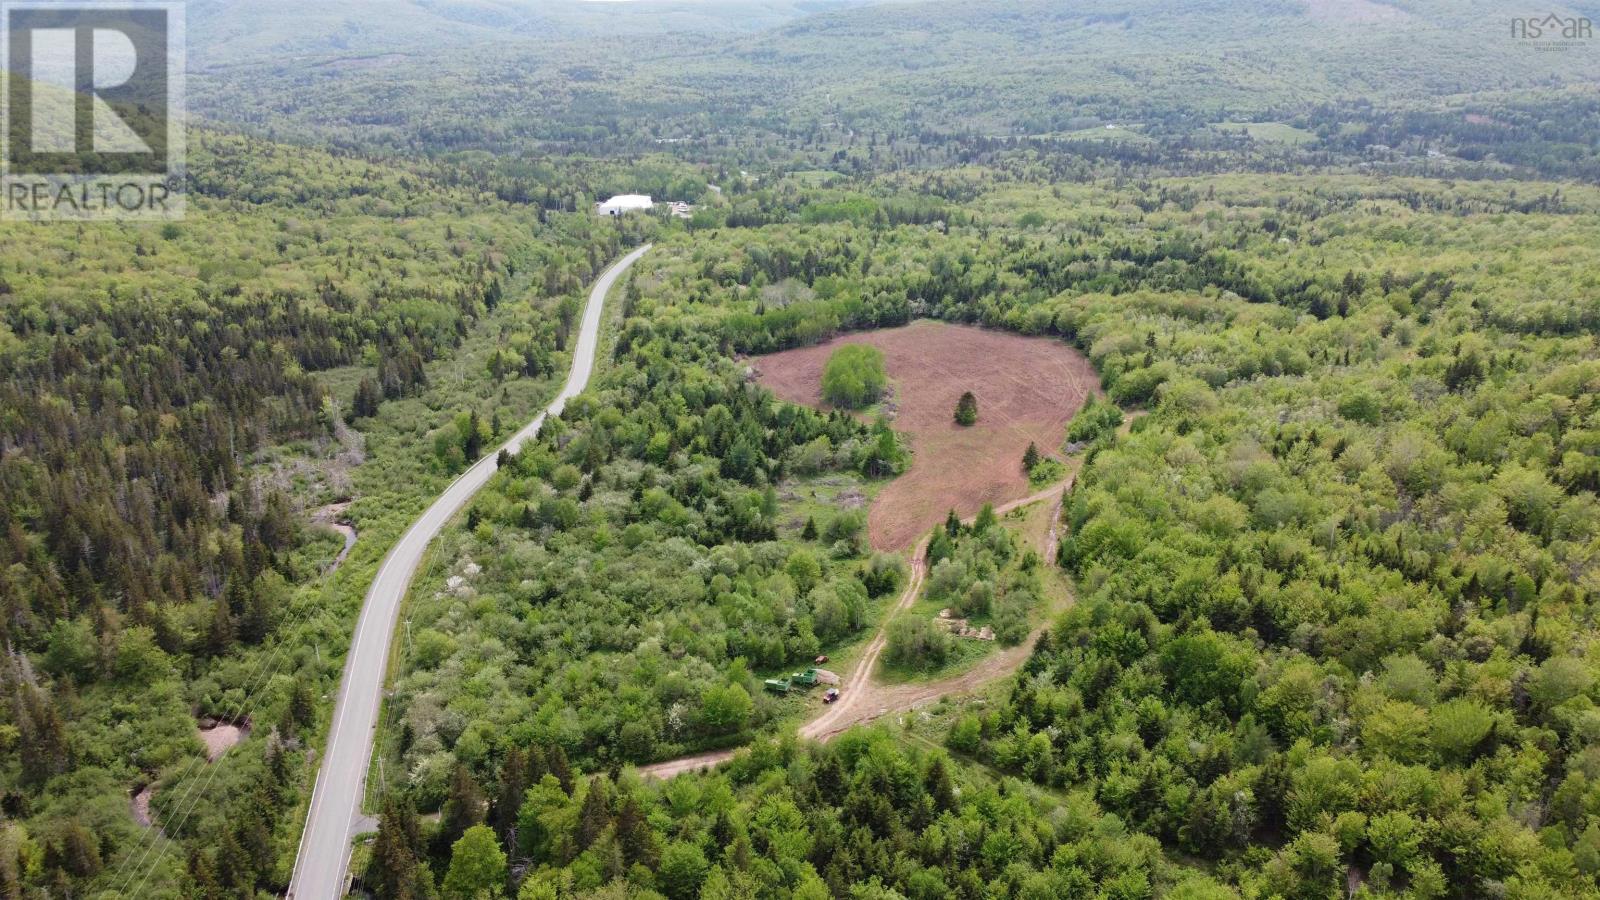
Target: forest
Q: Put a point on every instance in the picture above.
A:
(1332, 590)
(1319, 622)
(172, 416)
(1344, 633)
(755, 90)
(616, 590)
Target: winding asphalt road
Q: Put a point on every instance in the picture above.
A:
(324, 855)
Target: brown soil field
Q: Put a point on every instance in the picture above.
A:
(1028, 389)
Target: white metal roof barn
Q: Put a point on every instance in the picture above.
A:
(624, 203)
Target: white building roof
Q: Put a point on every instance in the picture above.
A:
(626, 202)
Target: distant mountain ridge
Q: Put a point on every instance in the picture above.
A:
(490, 74)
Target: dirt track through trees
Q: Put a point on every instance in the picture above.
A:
(863, 699)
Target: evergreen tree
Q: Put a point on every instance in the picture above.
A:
(463, 807)
(472, 441)
(236, 872)
(302, 703)
(368, 397)
(203, 881)
(508, 801)
(967, 409)
(556, 758)
(939, 785)
(78, 851)
(595, 815)
(253, 837)
(259, 612)
(940, 547)
(985, 520)
(396, 870)
(634, 834)
(41, 735)
(220, 632)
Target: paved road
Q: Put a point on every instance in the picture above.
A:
(319, 869)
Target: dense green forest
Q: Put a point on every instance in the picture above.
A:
(622, 581)
(172, 413)
(1432, 87)
(1332, 589)
(1328, 596)
(1370, 396)
(866, 816)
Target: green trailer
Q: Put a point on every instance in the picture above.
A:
(806, 678)
(778, 685)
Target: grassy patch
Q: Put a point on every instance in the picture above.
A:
(819, 498)
(1269, 132)
(1112, 132)
(1028, 527)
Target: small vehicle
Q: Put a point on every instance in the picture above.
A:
(821, 659)
(831, 695)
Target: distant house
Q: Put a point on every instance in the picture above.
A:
(624, 203)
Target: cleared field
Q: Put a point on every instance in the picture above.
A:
(1272, 132)
(1027, 390)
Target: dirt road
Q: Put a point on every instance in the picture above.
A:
(879, 700)
(862, 698)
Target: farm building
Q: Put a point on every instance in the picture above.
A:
(624, 203)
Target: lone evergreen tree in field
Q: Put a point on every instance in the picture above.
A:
(967, 409)
(1030, 458)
